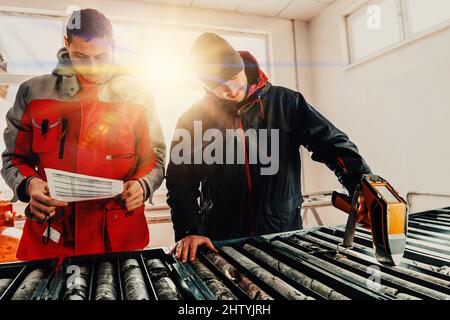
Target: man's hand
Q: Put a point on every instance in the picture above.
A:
(41, 205)
(187, 247)
(132, 195)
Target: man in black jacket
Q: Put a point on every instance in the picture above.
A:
(215, 199)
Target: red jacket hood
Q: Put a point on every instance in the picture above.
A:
(256, 77)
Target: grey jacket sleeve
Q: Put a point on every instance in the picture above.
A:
(152, 181)
(18, 158)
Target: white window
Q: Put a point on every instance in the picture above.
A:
(381, 24)
(427, 14)
(127, 43)
(374, 28)
(29, 44)
(159, 56)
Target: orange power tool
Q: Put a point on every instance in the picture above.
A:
(387, 217)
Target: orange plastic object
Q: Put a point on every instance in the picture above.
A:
(9, 242)
(9, 236)
(6, 214)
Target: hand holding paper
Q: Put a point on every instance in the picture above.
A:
(71, 187)
(42, 206)
(133, 195)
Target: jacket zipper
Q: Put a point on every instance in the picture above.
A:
(120, 156)
(244, 149)
(247, 166)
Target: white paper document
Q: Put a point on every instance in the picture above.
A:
(71, 187)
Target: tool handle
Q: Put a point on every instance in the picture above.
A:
(349, 205)
(350, 229)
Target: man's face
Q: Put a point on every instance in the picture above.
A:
(91, 59)
(233, 90)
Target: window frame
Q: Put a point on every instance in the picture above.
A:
(12, 79)
(405, 21)
(362, 10)
(408, 22)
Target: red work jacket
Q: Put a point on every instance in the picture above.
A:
(94, 132)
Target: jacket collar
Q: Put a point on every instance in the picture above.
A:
(257, 79)
(66, 71)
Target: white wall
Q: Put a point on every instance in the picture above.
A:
(395, 107)
(303, 58)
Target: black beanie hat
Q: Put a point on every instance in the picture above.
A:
(214, 60)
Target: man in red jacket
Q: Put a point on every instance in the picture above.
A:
(87, 117)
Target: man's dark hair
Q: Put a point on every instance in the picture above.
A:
(88, 24)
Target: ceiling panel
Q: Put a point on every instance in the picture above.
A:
(287, 9)
(228, 5)
(304, 9)
(185, 3)
(263, 7)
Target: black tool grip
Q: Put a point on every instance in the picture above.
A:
(349, 205)
(350, 229)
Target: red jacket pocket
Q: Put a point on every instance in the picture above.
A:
(127, 230)
(46, 134)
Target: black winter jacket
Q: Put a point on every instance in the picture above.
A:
(220, 200)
